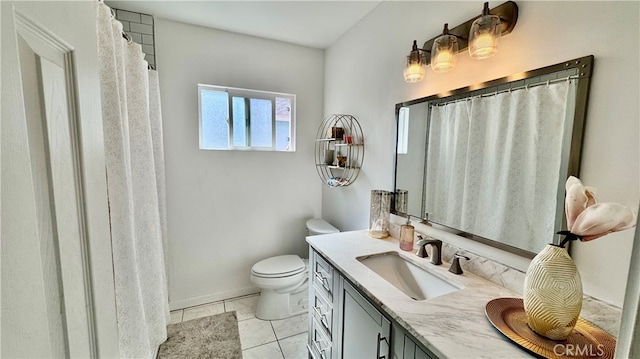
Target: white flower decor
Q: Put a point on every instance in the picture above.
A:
(552, 293)
(587, 219)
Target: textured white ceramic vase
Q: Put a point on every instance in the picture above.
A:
(552, 293)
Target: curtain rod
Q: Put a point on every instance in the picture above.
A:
(511, 88)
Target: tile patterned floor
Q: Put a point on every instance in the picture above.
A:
(275, 339)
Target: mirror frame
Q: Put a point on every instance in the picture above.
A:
(584, 67)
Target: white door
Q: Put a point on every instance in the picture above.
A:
(56, 281)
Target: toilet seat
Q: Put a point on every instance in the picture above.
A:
(279, 266)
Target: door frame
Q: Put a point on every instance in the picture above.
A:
(629, 335)
(49, 21)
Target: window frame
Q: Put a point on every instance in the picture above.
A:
(249, 94)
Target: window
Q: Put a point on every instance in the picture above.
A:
(403, 130)
(239, 119)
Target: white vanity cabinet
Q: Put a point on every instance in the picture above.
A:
(345, 324)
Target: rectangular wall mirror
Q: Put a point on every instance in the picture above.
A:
(490, 161)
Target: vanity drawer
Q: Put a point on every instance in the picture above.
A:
(322, 276)
(322, 312)
(319, 343)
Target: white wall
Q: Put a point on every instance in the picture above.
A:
(363, 77)
(227, 210)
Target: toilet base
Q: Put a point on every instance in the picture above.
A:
(273, 305)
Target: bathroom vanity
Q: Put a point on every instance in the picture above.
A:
(340, 314)
(356, 313)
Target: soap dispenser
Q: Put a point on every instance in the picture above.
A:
(406, 236)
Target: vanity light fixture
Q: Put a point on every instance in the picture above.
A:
(443, 52)
(484, 35)
(416, 64)
(480, 35)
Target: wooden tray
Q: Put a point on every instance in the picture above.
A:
(586, 341)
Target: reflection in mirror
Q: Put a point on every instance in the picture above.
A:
(492, 162)
(412, 136)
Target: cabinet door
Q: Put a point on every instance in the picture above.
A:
(413, 350)
(421, 354)
(365, 331)
(410, 350)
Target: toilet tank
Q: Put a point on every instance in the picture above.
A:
(318, 226)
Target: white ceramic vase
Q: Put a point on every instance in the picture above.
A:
(552, 293)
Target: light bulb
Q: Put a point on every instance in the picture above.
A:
(444, 56)
(483, 46)
(443, 51)
(484, 40)
(416, 65)
(414, 73)
(484, 35)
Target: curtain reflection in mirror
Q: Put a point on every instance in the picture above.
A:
(484, 149)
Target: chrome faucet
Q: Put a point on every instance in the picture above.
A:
(436, 251)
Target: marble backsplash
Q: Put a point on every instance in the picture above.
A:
(492, 271)
(513, 279)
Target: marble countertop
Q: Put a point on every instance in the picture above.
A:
(453, 325)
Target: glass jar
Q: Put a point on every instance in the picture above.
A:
(402, 196)
(379, 214)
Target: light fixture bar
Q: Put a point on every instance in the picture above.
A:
(508, 13)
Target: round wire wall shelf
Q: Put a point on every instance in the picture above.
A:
(339, 150)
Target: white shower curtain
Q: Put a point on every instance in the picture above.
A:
(487, 148)
(135, 177)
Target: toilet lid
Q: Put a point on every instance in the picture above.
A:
(280, 266)
(320, 226)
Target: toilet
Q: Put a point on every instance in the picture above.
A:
(284, 280)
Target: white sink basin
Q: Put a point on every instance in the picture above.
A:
(415, 282)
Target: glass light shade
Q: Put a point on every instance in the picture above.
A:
(416, 65)
(443, 53)
(484, 36)
(414, 72)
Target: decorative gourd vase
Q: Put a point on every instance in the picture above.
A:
(552, 293)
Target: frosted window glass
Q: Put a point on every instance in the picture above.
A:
(215, 114)
(282, 136)
(283, 124)
(242, 119)
(239, 122)
(261, 113)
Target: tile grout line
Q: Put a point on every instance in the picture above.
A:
(259, 345)
(277, 340)
(293, 335)
(221, 300)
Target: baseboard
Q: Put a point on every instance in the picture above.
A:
(210, 298)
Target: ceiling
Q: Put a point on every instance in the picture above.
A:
(316, 24)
